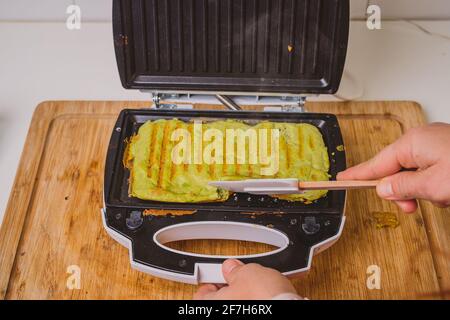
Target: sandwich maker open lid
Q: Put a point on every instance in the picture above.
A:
(276, 48)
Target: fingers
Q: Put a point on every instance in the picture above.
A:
(230, 269)
(389, 161)
(405, 186)
(425, 149)
(383, 164)
(407, 206)
(251, 281)
(440, 205)
(205, 292)
(402, 187)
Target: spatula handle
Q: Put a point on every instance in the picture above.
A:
(337, 185)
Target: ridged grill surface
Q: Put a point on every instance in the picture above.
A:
(292, 46)
(173, 160)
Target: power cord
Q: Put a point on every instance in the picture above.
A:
(426, 31)
(349, 81)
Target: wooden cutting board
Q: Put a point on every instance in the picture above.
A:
(53, 217)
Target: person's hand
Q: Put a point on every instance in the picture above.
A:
(426, 149)
(246, 282)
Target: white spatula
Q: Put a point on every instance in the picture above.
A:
(289, 186)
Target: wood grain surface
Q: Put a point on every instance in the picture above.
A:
(53, 217)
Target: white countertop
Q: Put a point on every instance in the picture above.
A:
(45, 61)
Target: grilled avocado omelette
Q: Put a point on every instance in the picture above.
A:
(155, 176)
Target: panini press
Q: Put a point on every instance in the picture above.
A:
(273, 53)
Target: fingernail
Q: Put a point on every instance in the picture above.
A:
(230, 264)
(384, 189)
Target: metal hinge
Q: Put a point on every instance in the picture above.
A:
(296, 104)
(157, 97)
(186, 101)
(228, 102)
(298, 107)
(166, 106)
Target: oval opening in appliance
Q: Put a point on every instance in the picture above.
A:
(196, 233)
(214, 247)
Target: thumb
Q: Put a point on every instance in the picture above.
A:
(405, 185)
(230, 269)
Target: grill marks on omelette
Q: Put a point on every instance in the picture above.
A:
(154, 176)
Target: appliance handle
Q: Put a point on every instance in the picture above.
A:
(207, 269)
(204, 273)
(209, 273)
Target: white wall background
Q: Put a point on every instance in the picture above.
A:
(100, 10)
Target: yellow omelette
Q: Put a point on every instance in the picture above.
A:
(154, 175)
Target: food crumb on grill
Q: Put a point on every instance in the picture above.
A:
(161, 212)
(385, 219)
(257, 213)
